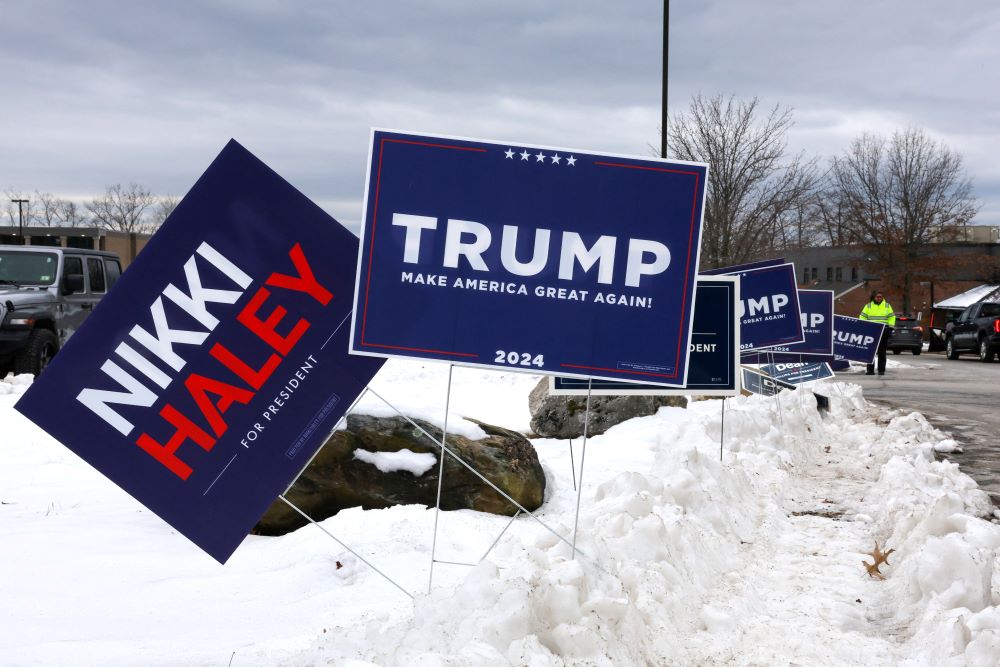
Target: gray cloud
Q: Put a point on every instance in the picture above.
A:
(102, 92)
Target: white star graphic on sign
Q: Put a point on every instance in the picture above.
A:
(540, 157)
(525, 154)
(509, 154)
(556, 158)
(571, 161)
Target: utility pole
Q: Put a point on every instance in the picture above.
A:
(666, 53)
(20, 217)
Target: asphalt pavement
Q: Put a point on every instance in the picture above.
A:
(961, 398)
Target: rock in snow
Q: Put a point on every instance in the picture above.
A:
(371, 465)
(562, 416)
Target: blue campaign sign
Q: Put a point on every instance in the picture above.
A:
(856, 340)
(755, 382)
(817, 325)
(217, 366)
(729, 270)
(769, 313)
(766, 357)
(713, 357)
(542, 259)
(798, 372)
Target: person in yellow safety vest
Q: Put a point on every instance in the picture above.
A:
(879, 310)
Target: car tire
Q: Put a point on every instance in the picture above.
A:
(916, 353)
(986, 353)
(36, 355)
(896, 351)
(949, 349)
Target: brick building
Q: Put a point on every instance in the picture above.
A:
(844, 269)
(126, 244)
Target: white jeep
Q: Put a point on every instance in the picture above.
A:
(45, 294)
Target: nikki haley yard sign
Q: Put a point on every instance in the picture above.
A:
(501, 255)
(218, 364)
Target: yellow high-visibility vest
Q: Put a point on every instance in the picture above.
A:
(879, 312)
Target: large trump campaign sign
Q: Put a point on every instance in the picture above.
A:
(218, 364)
(542, 259)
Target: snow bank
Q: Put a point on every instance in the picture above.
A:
(684, 559)
(660, 545)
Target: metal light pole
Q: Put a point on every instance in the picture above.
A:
(666, 50)
(20, 217)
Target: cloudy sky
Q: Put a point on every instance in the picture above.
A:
(101, 92)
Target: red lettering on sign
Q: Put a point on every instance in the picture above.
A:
(200, 387)
(304, 282)
(267, 329)
(185, 430)
(254, 378)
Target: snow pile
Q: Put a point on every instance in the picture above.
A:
(415, 463)
(684, 559)
(16, 384)
(662, 545)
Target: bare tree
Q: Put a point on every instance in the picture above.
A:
(49, 209)
(122, 208)
(754, 190)
(72, 214)
(10, 209)
(896, 196)
(164, 207)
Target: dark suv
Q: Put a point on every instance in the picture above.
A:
(907, 334)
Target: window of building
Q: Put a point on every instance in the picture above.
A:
(805, 274)
(839, 274)
(854, 274)
(829, 273)
(815, 273)
(45, 240)
(84, 242)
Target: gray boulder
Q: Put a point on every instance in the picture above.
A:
(562, 416)
(336, 479)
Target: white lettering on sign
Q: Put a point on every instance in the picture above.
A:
(414, 225)
(855, 339)
(508, 252)
(785, 367)
(812, 320)
(165, 336)
(161, 344)
(765, 304)
(702, 347)
(469, 240)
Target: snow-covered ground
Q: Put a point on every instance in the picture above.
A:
(756, 559)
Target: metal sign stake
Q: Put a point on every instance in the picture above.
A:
(437, 504)
(490, 484)
(355, 553)
(722, 430)
(583, 456)
(572, 463)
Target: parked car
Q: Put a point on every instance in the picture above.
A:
(45, 295)
(977, 329)
(907, 334)
(940, 325)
